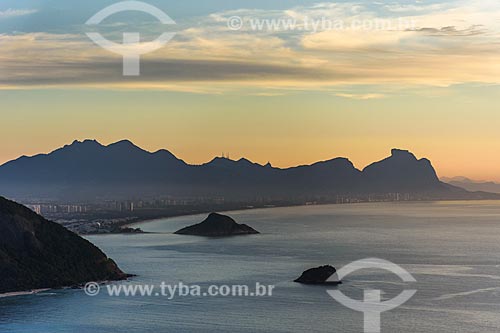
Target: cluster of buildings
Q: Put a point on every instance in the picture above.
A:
(54, 209)
(118, 205)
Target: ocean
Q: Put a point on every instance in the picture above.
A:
(452, 249)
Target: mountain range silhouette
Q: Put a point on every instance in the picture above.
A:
(86, 170)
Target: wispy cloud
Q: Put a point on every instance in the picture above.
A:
(362, 97)
(9, 13)
(453, 31)
(402, 8)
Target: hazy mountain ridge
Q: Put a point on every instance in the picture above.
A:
(88, 169)
(473, 185)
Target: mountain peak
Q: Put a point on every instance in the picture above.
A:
(402, 172)
(86, 142)
(402, 153)
(125, 146)
(220, 161)
(124, 142)
(245, 161)
(227, 162)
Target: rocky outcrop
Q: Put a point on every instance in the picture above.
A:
(217, 225)
(36, 253)
(401, 172)
(319, 275)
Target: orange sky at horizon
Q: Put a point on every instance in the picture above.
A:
(455, 128)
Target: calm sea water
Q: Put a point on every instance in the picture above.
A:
(451, 248)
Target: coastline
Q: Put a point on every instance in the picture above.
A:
(23, 293)
(74, 287)
(171, 216)
(243, 209)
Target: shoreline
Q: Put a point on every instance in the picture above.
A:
(203, 212)
(74, 287)
(24, 293)
(148, 220)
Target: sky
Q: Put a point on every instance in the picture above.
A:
(317, 80)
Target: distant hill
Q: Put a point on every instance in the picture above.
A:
(473, 185)
(36, 253)
(217, 225)
(89, 170)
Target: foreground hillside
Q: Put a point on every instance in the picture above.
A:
(36, 253)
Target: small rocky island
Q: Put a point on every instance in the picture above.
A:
(319, 275)
(128, 230)
(39, 254)
(217, 225)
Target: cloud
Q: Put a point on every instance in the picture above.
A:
(353, 40)
(400, 8)
(9, 13)
(451, 44)
(453, 31)
(360, 96)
